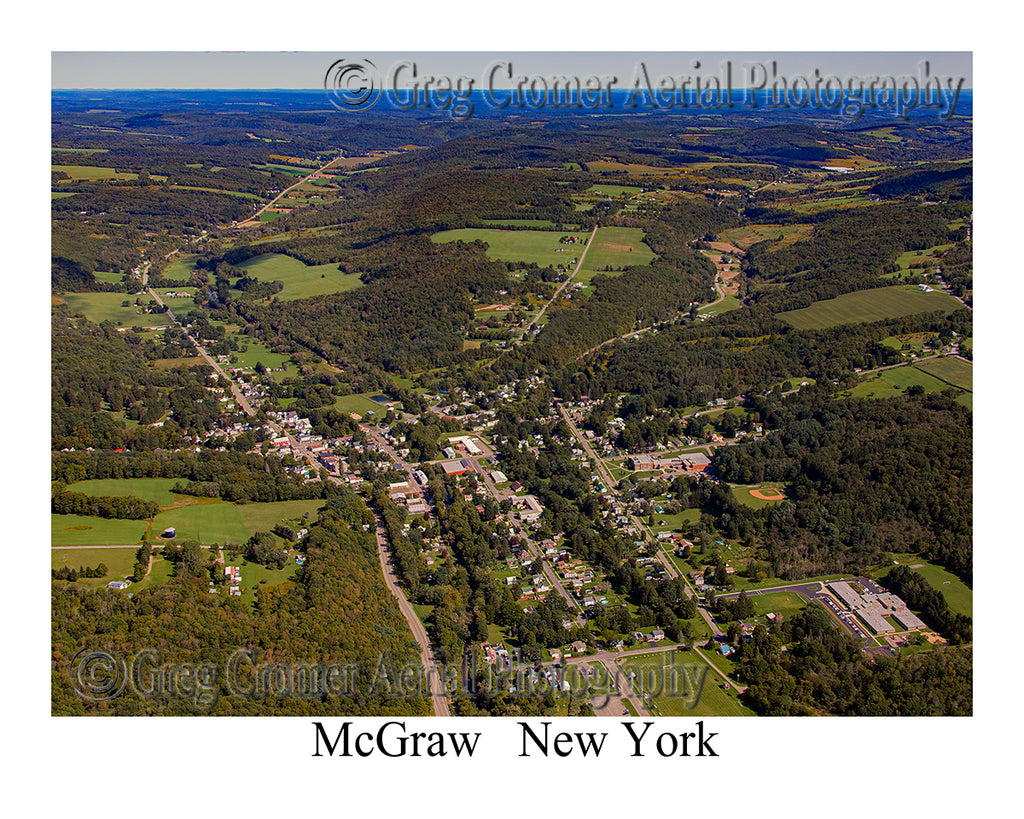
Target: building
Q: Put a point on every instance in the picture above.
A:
(531, 508)
(453, 467)
(119, 585)
(695, 462)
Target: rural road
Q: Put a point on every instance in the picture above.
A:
(565, 284)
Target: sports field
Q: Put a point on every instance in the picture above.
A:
(867, 306)
(300, 281)
(540, 247)
(758, 497)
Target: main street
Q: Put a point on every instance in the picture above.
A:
(439, 700)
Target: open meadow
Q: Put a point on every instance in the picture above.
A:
(541, 247)
(864, 306)
(300, 281)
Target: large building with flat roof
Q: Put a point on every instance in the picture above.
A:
(873, 609)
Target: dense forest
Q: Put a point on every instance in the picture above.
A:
(336, 612)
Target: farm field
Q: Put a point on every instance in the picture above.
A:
(99, 307)
(617, 248)
(614, 191)
(157, 490)
(300, 281)
(89, 173)
(119, 562)
(890, 383)
(952, 370)
(80, 530)
(530, 246)
(867, 306)
(745, 237)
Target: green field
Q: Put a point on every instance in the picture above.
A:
(954, 371)
(959, 596)
(890, 383)
(614, 191)
(360, 404)
(78, 530)
(742, 494)
(724, 306)
(529, 246)
(205, 523)
(540, 224)
(789, 604)
(90, 173)
(98, 307)
(157, 490)
(867, 306)
(617, 248)
(262, 517)
(300, 281)
(713, 699)
(119, 562)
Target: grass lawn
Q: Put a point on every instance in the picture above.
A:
(529, 246)
(98, 307)
(262, 517)
(869, 305)
(424, 611)
(79, 530)
(959, 596)
(157, 490)
(789, 604)
(360, 404)
(206, 523)
(724, 306)
(615, 247)
(300, 281)
(119, 563)
(678, 700)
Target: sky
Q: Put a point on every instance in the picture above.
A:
(280, 69)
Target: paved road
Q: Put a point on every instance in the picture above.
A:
(437, 697)
(440, 702)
